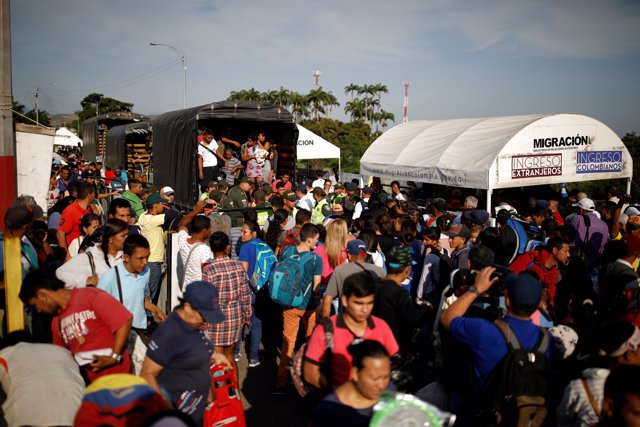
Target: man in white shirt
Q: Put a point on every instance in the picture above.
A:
(319, 182)
(209, 159)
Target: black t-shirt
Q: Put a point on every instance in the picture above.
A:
(331, 412)
(395, 307)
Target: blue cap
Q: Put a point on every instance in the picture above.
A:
(356, 247)
(203, 296)
(524, 291)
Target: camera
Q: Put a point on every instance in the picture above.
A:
(466, 277)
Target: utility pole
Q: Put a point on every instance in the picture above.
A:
(7, 135)
(405, 106)
(35, 98)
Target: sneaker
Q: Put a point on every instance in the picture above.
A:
(254, 363)
(236, 357)
(280, 390)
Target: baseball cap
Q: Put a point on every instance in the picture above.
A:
(223, 184)
(243, 180)
(215, 195)
(618, 336)
(476, 216)
(18, 216)
(307, 182)
(632, 242)
(439, 204)
(635, 220)
(399, 257)
(524, 291)
(565, 339)
(259, 194)
(458, 230)
(267, 189)
(319, 192)
(586, 204)
(155, 198)
(88, 174)
(367, 190)
(168, 191)
(337, 186)
(356, 247)
(203, 296)
(350, 186)
(289, 195)
(632, 211)
(506, 207)
(302, 188)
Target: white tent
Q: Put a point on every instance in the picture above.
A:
(500, 152)
(312, 146)
(65, 137)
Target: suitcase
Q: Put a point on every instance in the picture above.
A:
(227, 410)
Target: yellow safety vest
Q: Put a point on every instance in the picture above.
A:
(317, 217)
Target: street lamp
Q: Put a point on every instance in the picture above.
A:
(181, 55)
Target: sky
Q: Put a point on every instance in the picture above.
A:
(463, 58)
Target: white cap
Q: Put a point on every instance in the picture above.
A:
(586, 204)
(505, 206)
(167, 191)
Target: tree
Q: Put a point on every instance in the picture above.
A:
(95, 104)
(29, 117)
(351, 88)
(356, 109)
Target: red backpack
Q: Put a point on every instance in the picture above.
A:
(292, 238)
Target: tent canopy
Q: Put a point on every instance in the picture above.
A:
(67, 138)
(499, 152)
(312, 146)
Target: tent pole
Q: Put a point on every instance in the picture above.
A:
(489, 194)
(628, 185)
(339, 168)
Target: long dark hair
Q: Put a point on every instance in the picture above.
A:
(112, 227)
(275, 228)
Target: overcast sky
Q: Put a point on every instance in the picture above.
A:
(463, 58)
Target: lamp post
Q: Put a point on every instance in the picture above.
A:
(182, 57)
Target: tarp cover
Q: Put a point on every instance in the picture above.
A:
(116, 154)
(499, 152)
(66, 138)
(175, 138)
(312, 146)
(90, 129)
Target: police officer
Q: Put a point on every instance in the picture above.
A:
(321, 208)
(236, 199)
(263, 208)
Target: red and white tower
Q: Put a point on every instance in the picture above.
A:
(405, 105)
(316, 75)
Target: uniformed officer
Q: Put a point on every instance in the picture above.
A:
(236, 199)
(263, 208)
(321, 208)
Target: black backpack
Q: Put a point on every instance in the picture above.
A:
(514, 394)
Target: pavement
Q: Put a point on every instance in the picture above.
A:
(262, 409)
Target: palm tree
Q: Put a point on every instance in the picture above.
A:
(299, 106)
(269, 96)
(283, 98)
(316, 99)
(350, 89)
(355, 108)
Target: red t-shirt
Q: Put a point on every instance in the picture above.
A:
(88, 323)
(287, 185)
(377, 329)
(70, 221)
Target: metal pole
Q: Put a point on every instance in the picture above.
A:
(7, 136)
(183, 59)
(35, 95)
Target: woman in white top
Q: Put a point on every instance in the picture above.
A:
(86, 268)
(374, 254)
(88, 224)
(193, 249)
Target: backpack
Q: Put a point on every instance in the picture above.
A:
(445, 271)
(292, 238)
(297, 367)
(515, 391)
(265, 259)
(285, 281)
(526, 237)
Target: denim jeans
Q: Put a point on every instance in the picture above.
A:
(155, 276)
(255, 335)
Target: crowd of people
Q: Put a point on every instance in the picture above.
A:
(356, 291)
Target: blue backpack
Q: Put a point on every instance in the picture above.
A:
(285, 282)
(527, 238)
(265, 259)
